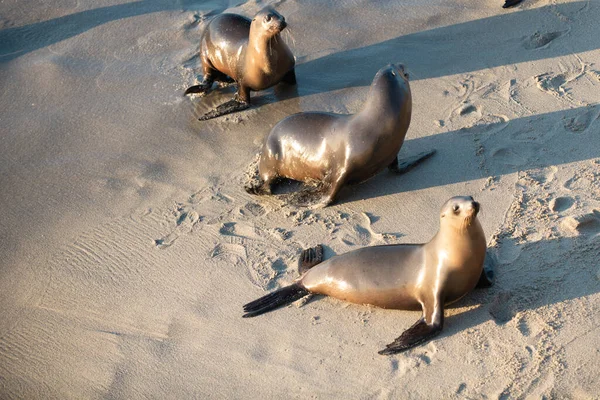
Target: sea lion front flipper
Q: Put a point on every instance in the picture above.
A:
(428, 326)
(487, 277)
(406, 164)
(309, 258)
(201, 89)
(510, 3)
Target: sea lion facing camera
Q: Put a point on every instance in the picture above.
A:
(249, 52)
(336, 149)
(402, 276)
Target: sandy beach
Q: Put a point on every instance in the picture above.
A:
(128, 244)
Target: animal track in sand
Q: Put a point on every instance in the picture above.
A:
(184, 220)
(360, 233)
(508, 156)
(583, 121)
(552, 83)
(539, 40)
(583, 224)
(560, 204)
(502, 309)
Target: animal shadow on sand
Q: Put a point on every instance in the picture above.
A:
(488, 150)
(504, 39)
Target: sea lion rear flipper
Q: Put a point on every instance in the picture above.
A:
(487, 277)
(309, 258)
(240, 101)
(510, 3)
(406, 164)
(274, 300)
(228, 107)
(420, 332)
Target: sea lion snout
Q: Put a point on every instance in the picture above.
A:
(401, 68)
(475, 206)
(274, 21)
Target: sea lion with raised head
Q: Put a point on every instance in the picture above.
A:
(248, 52)
(402, 276)
(335, 149)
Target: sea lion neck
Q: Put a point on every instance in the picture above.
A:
(384, 102)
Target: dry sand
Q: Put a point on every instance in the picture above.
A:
(128, 245)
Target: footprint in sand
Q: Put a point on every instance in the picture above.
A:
(184, 222)
(582, 122)
(539, 40)
(560, 204)
(509, 156)
(552, 83)
(583, 224)
(360, 233)
(502, 309)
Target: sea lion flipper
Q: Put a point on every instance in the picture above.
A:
(487, 277)
(228, 107)
(197, 89)
(309, 258)
(417, 334)
(510, 3)
(276, 299)
(406, 164)
(428, 326)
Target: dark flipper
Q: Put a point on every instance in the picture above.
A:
(228, 107)
(312, 194)
(274, 300)
(257, 186)
(202, 88)
(406, 164)
(487, 277)
(430, 324)
(417, 334)
(510, 3)
(309, 258)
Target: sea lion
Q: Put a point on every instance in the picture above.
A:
(251, 53)
(336, 149)
(402, 276)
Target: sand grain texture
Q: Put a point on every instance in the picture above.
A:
(128, 244)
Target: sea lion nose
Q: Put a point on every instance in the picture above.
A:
(283, 24)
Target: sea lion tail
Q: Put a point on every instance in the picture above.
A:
(275, 300)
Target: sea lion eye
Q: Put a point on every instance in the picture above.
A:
(268, 17)
(455, 208)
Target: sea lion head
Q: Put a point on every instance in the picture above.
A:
(460, 211)
(391, 73)
(270, 21)
(400, 69)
